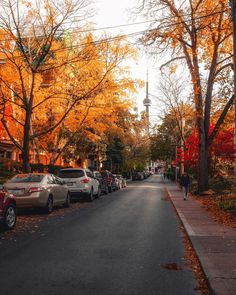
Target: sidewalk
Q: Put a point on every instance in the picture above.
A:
(215, 244)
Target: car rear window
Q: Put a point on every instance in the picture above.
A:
(71, 173)
(26, 178)
(104, 173)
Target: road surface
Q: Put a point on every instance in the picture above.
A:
(116, 245)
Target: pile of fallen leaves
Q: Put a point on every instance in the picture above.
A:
(191, 257)
(211, 204)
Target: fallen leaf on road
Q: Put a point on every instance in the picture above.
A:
(171, 266)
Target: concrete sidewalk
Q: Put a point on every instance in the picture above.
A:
(215, 244)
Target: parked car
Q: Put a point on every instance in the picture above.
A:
(109, 180)
(7, 210)
(137, 176)
(117, 182)
(147, 173)
(102, 182)
(38, 190)
(122, 180)
(81, 182)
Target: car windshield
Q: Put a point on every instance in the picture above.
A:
(27, 178)
(71, 173)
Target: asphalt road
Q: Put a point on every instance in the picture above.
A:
(116, 245)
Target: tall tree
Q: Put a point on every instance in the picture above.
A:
(167, 136)
(51, 70)
(30, 43)
(101, 111)
(199, 32)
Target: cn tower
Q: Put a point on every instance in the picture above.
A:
(147, 101)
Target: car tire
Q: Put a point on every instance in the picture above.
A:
(67, 202)
(106, 190)
(99, 192)
(9, 220)
(91, 196)
(49, 205)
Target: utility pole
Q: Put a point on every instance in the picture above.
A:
(233, 9)
(182, 126)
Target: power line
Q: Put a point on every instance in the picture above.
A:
(142, 22)
(130, 34)
(135, 33)
(128, 25)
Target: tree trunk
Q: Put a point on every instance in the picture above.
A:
(52, 160)
(203, 165)
(26, 144)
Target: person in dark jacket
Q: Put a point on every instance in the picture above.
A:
(185, 182)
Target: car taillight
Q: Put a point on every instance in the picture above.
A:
(4, 189)
(35, 189)
(85, 180)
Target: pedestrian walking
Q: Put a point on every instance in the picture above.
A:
(164, 175)
(185, 182)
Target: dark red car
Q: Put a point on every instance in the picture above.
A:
(109, 179)
(7, 210)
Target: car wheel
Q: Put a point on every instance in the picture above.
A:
(99, 192)
(106, 190)
(10, 217)
(91, 196)
(67, 202)
(49, 205)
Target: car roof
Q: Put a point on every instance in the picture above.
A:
(33, 173)
(74, 169)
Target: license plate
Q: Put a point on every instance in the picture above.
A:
(17, 192)
(70, 183)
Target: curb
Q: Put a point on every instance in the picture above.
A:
(190, 234)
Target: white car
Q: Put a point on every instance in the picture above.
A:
(38, 190)
(81, 182)
(117, 181)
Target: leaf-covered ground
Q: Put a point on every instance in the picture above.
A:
(211, 204)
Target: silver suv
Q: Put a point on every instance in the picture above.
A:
(81, 182)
